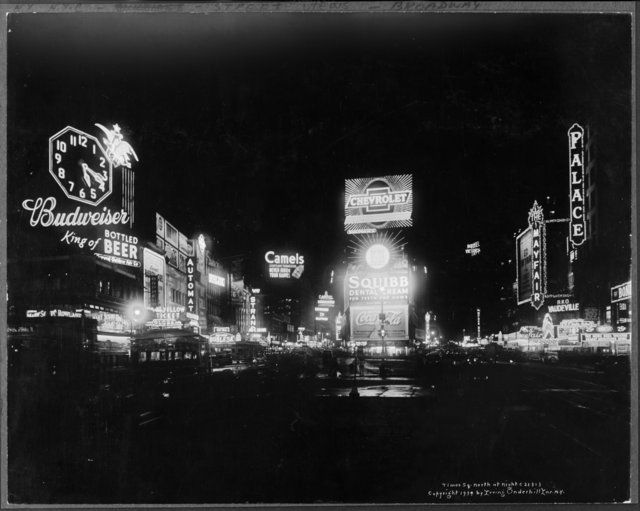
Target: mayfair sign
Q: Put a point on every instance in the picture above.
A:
(577, 227)
(536, 223)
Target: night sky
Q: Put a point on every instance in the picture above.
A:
(247, 125)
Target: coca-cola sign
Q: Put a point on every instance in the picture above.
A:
(369, 317)
(365, 322)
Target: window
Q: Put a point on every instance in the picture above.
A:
(178, 355)
(142, 356)
(172, 234)
(155, 355)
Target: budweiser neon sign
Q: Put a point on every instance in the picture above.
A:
(44, 214)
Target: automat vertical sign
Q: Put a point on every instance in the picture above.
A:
(536, 222)
(576, 185)
(191, 286)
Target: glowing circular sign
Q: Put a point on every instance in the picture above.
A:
(377, 256)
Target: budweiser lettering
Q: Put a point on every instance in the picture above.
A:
(43, 214)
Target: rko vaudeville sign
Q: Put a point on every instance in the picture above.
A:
(81, 206)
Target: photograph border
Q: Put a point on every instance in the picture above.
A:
(407, 7)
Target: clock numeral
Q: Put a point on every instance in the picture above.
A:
(61, 173)
(71, 184)
(73, 140)
(82, 194)
(57, 157)
(93, 148)
(83, 141)
(104, 174)
(61, 146)
(102, 162)
(93, 194)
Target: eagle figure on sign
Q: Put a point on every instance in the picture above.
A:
(118, 149)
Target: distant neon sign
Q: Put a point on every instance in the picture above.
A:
(577, 227)
(216, 280)
(621, 292)
(284, 266)
(473, 249)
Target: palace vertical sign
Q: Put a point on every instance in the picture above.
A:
(577, 227)
(536, 223)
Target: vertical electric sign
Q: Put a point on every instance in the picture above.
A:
(191, 286)
(536, 222)
(576, 185)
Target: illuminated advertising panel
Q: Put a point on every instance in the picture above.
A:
(191, 286)
(576, 184)
(120, 248)
(621, 293)
(375, 203)
(473, 249)
(563, 305)
(536, 223)
(369, 287)
(166, 317)
(324, 307)
(284, 265)
(217, 280)
(154, 278)
(82, 167)
(365, 322)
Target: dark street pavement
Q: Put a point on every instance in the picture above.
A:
(507, 432)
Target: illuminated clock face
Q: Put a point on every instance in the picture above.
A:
(80, 166)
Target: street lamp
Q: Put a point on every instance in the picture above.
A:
(135, 313)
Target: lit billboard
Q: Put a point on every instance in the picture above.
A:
(375, 203)
(370, 287)
(284, 265)
(365, 322)
(576, 184)
(523, 266)
(84, 172)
